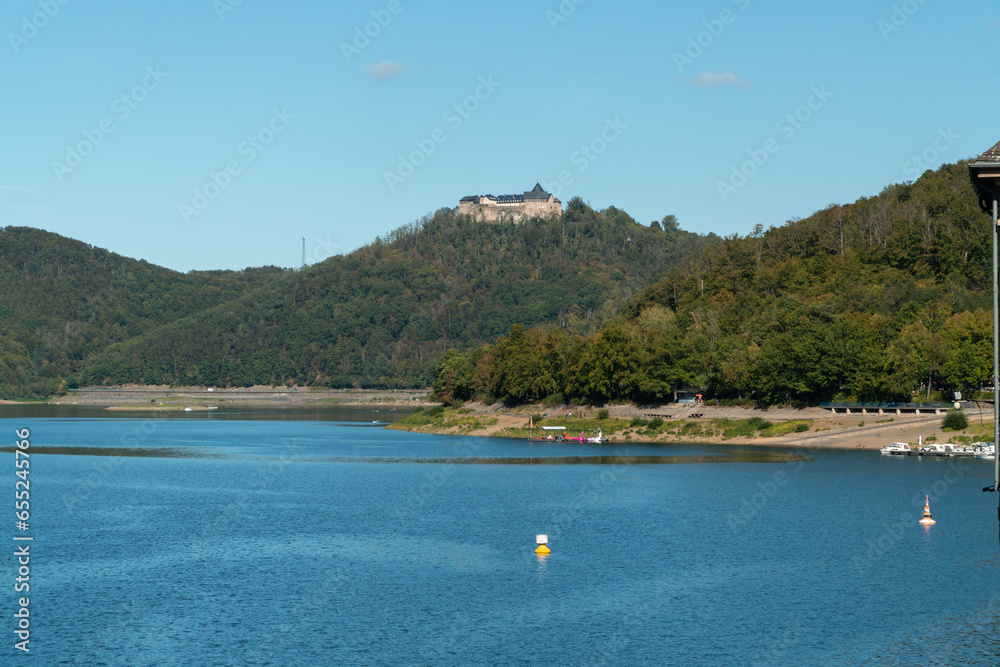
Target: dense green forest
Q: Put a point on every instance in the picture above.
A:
(381, 316)
(62, 301)
(867, 301)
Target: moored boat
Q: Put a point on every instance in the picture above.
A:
(897, 448)
(984, 450)
(553, 433)
(558, 434)
(944, 449)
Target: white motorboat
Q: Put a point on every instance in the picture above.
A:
(943, 449)
(898, 448)
(984, 450)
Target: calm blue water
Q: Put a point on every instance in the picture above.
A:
(275, 554)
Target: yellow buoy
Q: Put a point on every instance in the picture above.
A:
(927, 519)
(542, 541)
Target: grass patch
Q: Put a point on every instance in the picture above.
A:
(741, 428)
(573, 426)
(469, 424)
(687, 427)
(440, 418)
(426, 417)
(785, 428)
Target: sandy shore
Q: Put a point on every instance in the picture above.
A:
(199, 397)
(159, 408)
(825, 429)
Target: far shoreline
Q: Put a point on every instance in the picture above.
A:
(156, 397)
(689, 422)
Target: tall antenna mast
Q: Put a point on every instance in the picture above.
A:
(303, 252)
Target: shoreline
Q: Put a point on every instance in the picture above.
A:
(683, 423)
(201, 398)
(709, 425)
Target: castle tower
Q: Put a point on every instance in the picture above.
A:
(511, 208)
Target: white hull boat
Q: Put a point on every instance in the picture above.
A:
(944, 449)
(984, 450)
(898, 449)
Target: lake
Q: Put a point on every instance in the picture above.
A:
(263, 537)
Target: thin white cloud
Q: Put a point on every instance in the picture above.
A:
(719, 79)
(385, 69)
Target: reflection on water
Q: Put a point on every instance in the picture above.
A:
(173, 453)
(346, 413)
(143, 452)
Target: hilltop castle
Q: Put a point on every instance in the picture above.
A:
(511, 208)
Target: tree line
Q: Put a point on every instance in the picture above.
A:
(879, 300)
(384, 315)
(381, 316)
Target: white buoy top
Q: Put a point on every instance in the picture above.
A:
(541, 539)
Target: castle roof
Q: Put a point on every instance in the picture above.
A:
(537, 193)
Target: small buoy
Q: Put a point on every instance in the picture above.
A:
(542, 541)
(927, 519)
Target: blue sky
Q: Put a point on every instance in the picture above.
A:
(202, 134)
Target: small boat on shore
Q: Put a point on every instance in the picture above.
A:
(898, 449)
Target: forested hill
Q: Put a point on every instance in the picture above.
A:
(863, 301)
(62, 300)
(383, 315)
